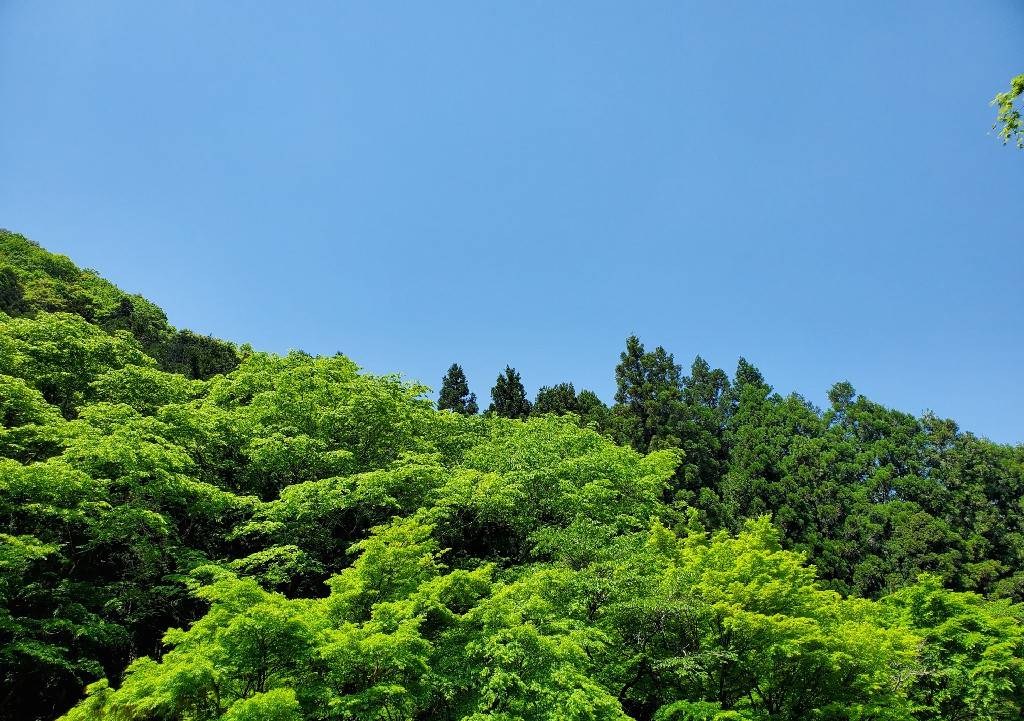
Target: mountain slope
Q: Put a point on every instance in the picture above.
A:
(295, 539)
(33, 280)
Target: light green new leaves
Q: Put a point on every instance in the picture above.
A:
(973, 654)
(60, 354)
(1008, 122)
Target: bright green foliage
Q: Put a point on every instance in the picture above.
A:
(1008, 122)
(973, 654)
(30, 428)
(562, 399)
(731, 627)
(508, 396)
(278, 704)
(143, 388)
(323, 544)
(33, 281)
(60, 355)
(529, 481)
(455, 395)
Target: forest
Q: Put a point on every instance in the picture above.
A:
(194, 530)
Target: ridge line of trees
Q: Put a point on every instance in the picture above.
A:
(872, 495)
(295, 540)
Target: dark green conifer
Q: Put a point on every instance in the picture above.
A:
(559, 399)
(704, 386)
(455, 395)
(508, 396)
(649, 397)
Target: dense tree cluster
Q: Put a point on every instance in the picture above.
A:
(34, 281)
(874, 497)
(294, 539)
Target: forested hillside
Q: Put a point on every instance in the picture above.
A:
(196, 531)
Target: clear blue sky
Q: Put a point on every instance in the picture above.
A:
(812, 185)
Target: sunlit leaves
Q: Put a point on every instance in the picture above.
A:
(1008, 122)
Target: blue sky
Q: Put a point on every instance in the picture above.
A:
(812, 185)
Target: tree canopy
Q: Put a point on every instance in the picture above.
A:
(196, 536)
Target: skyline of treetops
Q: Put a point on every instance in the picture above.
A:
(201, 531)
(511, 362)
